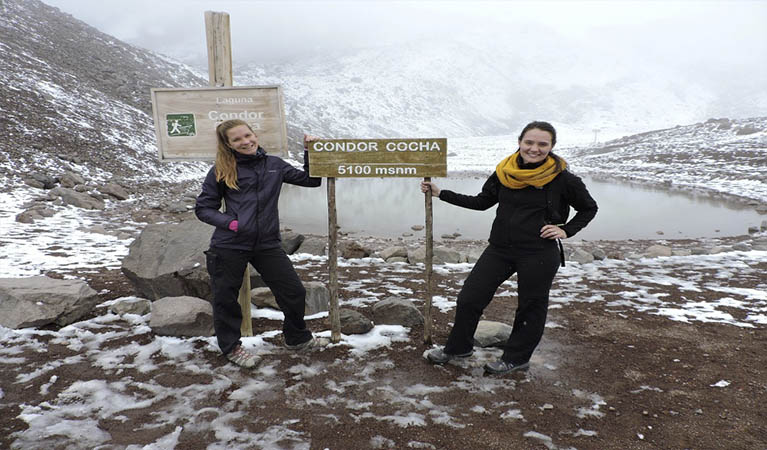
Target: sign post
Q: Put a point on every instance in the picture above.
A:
(421, 158)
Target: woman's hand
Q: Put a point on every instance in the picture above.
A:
(552, 232)
(427, 186)
(309, 138)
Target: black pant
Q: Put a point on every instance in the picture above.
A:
(227, 267)
(535, 273)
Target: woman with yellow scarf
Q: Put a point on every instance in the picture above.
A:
(534, 192)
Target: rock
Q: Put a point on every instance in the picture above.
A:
(763, 225)
(71, 179)
(351, 249)
(681, 252)
(313, 246)
(397, 251)
(747, 129)
(581, 256)
(176, 207)
(741, 247)
(396, 311)
(74, 198)
(291, 241)
(753, 230)
(699, 251)
(167, 260)
(472, 255)
(114, 190)
(417, 227)
(34, 183)
(598, 253)
(353, 322)
(182, 316)
(447, 236)
(717, 249)
(262, 297)
(490, 334)
(761, 209)
(47, 182)
(396, 259)
(133, 305)
(39, 301)
(317, 298)
(615, 254)
(442, 255)
(28, 216)
(657, 250)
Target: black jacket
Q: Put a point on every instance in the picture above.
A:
(254, 205)
(523, 212)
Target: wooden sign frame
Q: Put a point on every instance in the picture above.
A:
(378, 158)
(185, 119)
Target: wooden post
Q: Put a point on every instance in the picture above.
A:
(219, 48)
(335, 320)
(220, 75)
(428, 264)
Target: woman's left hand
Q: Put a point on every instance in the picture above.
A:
(552, 232)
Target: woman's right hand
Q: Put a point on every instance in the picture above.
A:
(427, 186)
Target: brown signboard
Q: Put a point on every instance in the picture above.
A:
(361, 158)
(185, 119)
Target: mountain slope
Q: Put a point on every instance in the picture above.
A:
(73, 97)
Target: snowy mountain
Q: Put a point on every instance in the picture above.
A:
(727, 157)
(76, 98)
(468, 85)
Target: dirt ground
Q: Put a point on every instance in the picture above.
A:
(653, 377)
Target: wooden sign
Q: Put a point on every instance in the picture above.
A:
(185, 120)
(360, 158)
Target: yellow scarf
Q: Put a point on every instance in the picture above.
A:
(513, 177)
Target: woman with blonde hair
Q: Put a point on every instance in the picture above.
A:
(247, 231)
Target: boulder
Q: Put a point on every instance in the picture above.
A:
(353, 322)
(442, 255)
(472, 255)
(182, 316)
(491, 334)
(177, 207)
(71, 179)
(262, 297)
(291, 241)
(741, 247)
(581, 256)
(313, 246)
(114, 190)
(167, 260)
(391, 252)
(131, 305)
(351, 249)
(657, 250)
(74, 198)
(397, 311)
(317, 298)
(598, 253)
(39, 301)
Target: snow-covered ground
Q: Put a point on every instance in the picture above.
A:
(129, 364)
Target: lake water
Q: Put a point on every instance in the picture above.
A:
(390, 206)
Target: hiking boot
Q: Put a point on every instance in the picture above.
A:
(242, 357)
(310, 345)
(500, 367)
(438, 356)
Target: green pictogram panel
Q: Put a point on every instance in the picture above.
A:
(180, 125)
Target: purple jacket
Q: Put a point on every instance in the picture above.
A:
(254, 205)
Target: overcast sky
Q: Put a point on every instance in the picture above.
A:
(724, 33)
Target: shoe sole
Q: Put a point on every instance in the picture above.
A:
(519, 368)
(452, 357)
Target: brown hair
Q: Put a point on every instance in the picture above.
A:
(226, 165)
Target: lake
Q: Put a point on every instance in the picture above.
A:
(388, 207)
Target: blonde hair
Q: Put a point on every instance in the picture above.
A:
(226, 165)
